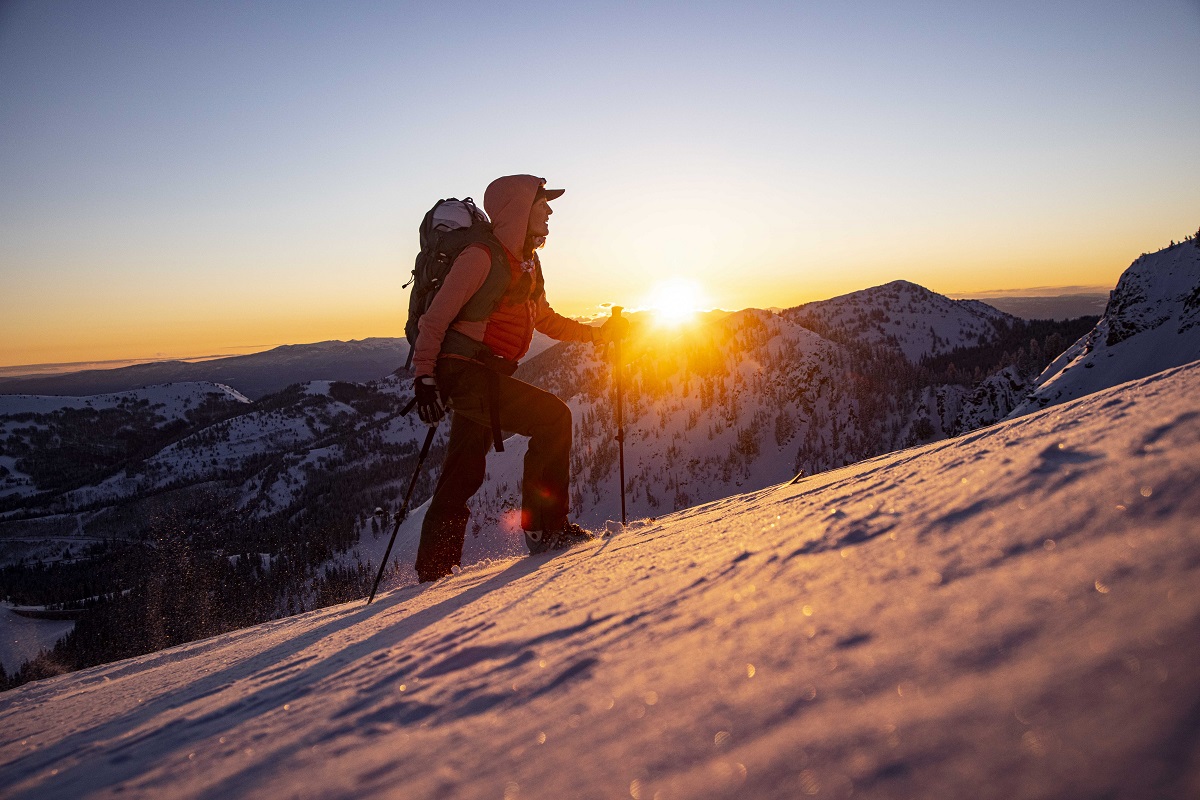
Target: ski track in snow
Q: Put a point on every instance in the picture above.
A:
(1012, 613)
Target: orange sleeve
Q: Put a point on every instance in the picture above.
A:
(466, 277)
(556, 326)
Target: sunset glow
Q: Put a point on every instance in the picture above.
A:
(675, 301)
(195, 180)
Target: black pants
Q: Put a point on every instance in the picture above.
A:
(524, 409)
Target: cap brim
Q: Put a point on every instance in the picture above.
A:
(550, 194)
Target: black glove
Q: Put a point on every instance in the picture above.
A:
(429, 401)
(614, 329)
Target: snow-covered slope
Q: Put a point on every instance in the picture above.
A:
(171, 400)
(1008, 614)
(1152, 322)
(540, 344)
(903, 316)
(79, 428)
(304, 432)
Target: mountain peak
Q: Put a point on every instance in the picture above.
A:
(904, 316)
(904, 285)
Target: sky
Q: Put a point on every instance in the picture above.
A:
(190, 178)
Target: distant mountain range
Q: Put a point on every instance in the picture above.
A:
(758, 397)
(1066, 306)
(253, 375)
(737, 402)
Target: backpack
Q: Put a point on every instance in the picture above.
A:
(447, 229)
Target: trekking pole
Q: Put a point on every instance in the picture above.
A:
(616, 313)
(403, 512)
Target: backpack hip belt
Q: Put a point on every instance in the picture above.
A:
(459, 345)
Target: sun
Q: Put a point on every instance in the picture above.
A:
(675, 301)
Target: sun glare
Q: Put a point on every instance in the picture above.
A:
(675, 301)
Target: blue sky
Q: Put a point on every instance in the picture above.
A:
(190, 177)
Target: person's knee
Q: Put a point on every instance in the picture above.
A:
(552, 422)
(562, 417)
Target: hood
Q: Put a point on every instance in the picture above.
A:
(508, 201)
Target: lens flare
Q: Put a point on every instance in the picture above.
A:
(675, 301)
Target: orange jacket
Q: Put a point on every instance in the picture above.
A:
(509, 330)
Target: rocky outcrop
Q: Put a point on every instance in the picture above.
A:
(1151, 323)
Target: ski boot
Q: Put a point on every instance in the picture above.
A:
(568, 535)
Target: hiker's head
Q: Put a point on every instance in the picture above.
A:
(518, 206)
(539, 218)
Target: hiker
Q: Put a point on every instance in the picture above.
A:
(466, 365)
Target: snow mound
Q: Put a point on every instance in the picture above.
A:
(1009, 614)
(1152, 323)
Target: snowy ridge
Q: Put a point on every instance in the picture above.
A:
(32, 424)
(1152, 323)
(1008, 614)
(171, 400)
(304, 431)
(903, 316)
(700, 420)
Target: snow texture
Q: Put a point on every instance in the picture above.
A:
(1009, 614)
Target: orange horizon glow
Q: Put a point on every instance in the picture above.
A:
(182, 196)
(158, 340)
(582, 279)
(104, 344)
